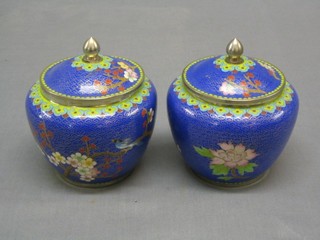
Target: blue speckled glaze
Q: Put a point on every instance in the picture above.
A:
(94, 147)
(201, 127)
(252, 78)
(75, 78)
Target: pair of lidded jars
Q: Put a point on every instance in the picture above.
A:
(93, 116)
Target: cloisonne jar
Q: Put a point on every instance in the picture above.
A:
(231, 116)
(92, 116)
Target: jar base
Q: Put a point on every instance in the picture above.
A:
(91, 185)
(238, 185)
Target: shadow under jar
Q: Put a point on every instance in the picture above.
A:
(92, 116)
(231, 116)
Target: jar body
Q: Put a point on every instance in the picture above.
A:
(94, 146)
(230, 146)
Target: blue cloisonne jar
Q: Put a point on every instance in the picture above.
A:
(92, 116)
(231, 116)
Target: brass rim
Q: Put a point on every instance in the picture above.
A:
(240, 185)
(69, 100)
(92, 185)
(233, 102)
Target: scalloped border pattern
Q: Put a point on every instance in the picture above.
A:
(50, 107)
(277, 104)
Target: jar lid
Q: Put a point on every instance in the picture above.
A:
(91, 79)
(233, 79)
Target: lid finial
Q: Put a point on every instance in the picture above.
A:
(234, 51)
(91, 49)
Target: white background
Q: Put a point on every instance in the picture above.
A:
(161, 200)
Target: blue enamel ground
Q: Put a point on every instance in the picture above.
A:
(266, 134)
(102, 130)
(73, 81)
(208, 77)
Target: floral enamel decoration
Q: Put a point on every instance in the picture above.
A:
(245, 87)
(186, 98)
(270, 69)
(231, 116)
(115, 78)
(230, 161)
(89, 67)
(83, 163)
(56, 158)
(227, 67)
(52, 108)
(92, 116)
(131, 75)
(129, 72)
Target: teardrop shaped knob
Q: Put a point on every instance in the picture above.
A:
(91, 49)
(234, 51)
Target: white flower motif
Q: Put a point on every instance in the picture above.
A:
(84, 166)
(232, 156)
(87, 178)
(131, 75)
(227, 89)
(75, 159)
(73, 162)
(150, 115)
(90, 175)
(53, 160)
(56, 158)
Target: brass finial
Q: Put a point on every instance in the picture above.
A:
(91, 49)
(234, 51)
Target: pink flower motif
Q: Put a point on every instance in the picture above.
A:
(227, 89)
(94, 172)
(131, 75)
(87, 174)
(232, 156)
(73, 162)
